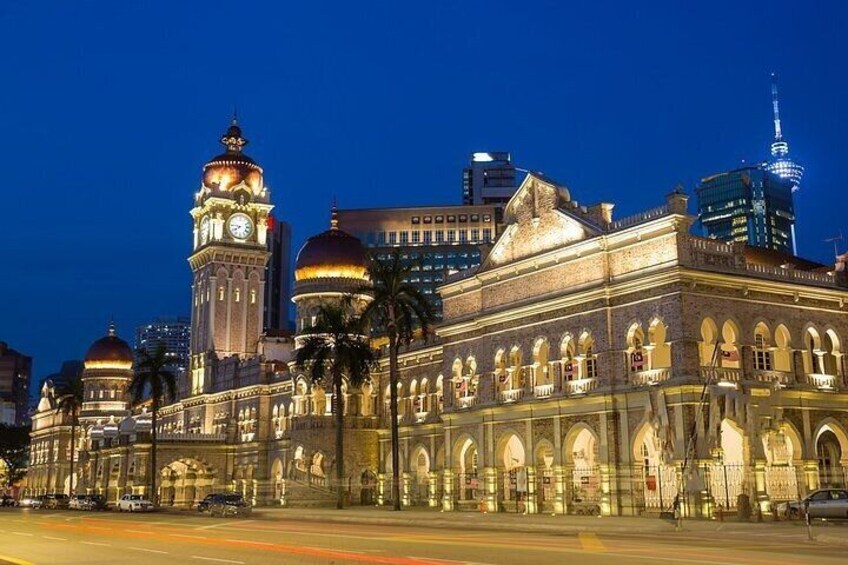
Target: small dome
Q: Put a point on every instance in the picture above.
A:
(109, 350)
(232, 167)
(333, 254)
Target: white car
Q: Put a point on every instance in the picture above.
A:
(134, 503)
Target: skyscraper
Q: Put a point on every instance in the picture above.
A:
(489, 179)
(436, 240)
(15, 373)
(174, 333)
(750, 205)
(278, 276)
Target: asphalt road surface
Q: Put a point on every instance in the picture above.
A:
(64, 537)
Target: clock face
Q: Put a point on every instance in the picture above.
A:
(240, 226)
(204, 230)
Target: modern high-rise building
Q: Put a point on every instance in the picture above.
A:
(174, 333)
(436, 240)
(278, 276)
(750, 205)
(489, 179)
(15, 374)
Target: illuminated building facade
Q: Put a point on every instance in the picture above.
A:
(435, 240)
(567, 375)
(750, 205)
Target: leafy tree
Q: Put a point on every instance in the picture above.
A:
(401, 310)
(154, 378)
(71, 402)
(336, 346)
(14, 452)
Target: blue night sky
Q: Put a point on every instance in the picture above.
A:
(110, 109)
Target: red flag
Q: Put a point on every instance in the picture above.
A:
(637, 361)
(730, 355)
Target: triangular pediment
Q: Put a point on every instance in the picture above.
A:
(537, 220)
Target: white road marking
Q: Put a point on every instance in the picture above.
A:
(95, 543)
(250, 542)
(55, 539)
(185, 536)
(147, 550)
(223, 524)
(22, 534)
(217, 560)
(139, 531)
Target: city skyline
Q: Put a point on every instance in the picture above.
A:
(161, 160)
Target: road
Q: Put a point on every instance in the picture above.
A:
(64, 537)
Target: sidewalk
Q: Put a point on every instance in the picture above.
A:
(531, 523)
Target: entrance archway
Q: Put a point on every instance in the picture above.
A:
(831, 448)
(512, 472)
(420, 466)
(185, 482)
(659, 479)
(583, 472)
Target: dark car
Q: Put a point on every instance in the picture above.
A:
(56, 501)
(230, 504)
(88, 502)
(7, 500)
(203, 505)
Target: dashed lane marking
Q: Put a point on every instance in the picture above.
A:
(96, 543)
(23, 534)
(250, 542)
(590, 542)
(187, 536)
(54, 538)
(223, 525)
(217, 560)
(146, 532)
(147, 550)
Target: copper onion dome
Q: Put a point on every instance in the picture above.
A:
(110, 349)
(331, 254)
(232, 167)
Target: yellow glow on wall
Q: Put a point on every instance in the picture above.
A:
(116, 365)
(331, 272)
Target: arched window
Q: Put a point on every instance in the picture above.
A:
(813, 352)
(636, 354)
(588, 359)
(660, 350)
(762, 348)
(515, 373)
(707, 345)
(440, 396)
(832, 353)
(570, 370)
(783, 351)
(501, 376)
(541, 355)
(730, 345)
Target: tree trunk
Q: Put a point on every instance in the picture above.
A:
(73, 444)
(154, 498)
(339, 414)
(393, 408)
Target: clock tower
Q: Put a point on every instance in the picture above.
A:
(230, 218)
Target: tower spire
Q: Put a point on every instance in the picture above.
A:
(778, 135)
(334, 216)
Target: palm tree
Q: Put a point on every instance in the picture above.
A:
(153, 377)
(335, 347)
(399, 309)
(70, 403)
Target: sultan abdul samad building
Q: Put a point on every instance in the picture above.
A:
(568, 376)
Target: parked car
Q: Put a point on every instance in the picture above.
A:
(203, 505)
(229, 504)
(7, 500)
(88, 502)
(134, 503)
(76, 502)
(824, 503)
(34, 502)
(56, 501)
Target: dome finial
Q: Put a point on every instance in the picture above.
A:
(233, 139)
(111, 331)
(334, 215)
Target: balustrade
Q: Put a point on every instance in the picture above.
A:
(650, 377)
(775, 377)
(466, 401)
(512, 395)
(822, 381)
(579, 387)
(721, 375)
(543, 391)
